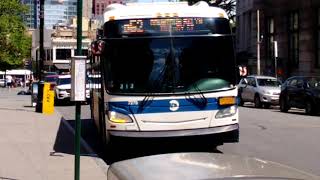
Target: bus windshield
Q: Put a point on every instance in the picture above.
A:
(169, 64)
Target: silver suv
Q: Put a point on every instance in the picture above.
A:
(261, 90)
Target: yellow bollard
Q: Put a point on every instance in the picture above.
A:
(48, 99)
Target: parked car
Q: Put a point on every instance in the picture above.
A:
(2, 83)
(301, 92)
(261, 90)
(63, 88)
(51, 79)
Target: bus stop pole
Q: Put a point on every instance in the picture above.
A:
(258, 42)
(78, 103)
(40, 59)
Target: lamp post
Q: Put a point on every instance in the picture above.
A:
(258, 42)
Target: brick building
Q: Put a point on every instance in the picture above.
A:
(100, 5)
(294, 24)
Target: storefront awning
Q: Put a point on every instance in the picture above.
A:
(62, 66)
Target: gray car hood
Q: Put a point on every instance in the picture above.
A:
(270, 88)
(185, 166)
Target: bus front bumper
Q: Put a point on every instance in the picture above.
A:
(220, 131)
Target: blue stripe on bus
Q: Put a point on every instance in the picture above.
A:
(163, 106)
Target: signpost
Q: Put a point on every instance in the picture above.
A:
(41, 59)
(78, 89)
(78, 78)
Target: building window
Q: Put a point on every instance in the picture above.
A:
(102, 8)
(63, 54)
(294, 38)
(98, 9)
(270, 40)
(318, 41)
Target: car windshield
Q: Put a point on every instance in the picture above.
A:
(63, 81)
(268, 82)
(314, 82)
(169, 65)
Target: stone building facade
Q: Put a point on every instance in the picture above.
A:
(294, 24)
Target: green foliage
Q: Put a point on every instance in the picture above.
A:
(15, 44)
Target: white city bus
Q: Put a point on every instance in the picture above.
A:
(167, 70)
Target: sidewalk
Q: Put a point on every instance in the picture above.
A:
(38, 147)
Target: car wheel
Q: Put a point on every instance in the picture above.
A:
(284, 105)
(257, 102)
(266, 105)
(309, 108)
(241, 102)
(56, 101)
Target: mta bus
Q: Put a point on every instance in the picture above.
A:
(167, 70)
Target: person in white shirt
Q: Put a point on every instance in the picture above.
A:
(9, 81)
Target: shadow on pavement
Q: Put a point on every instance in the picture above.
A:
(6, 178)
(251, 106)
(64, 142)
(128, 148)
(64, 103)
(297, 112)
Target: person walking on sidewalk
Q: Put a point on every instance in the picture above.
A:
(9, 81)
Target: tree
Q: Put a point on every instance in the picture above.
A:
(15, 44)
(228, 5)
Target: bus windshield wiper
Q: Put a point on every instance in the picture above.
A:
(202, 102)
(145, 102)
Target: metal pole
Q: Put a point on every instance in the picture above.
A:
(275, 58)
(41, 58)
(41, 39)
(258, 42)
(78, 103)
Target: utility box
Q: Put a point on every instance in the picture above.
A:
(48, 99)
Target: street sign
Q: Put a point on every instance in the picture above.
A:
(78, 78)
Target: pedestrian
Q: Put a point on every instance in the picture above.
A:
(13, 82)
(9, 81)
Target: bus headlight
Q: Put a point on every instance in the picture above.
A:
(118, 117)
(226, 112)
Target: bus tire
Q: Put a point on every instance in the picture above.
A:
(232, 136)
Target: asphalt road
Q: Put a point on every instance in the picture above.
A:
(287, 138)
